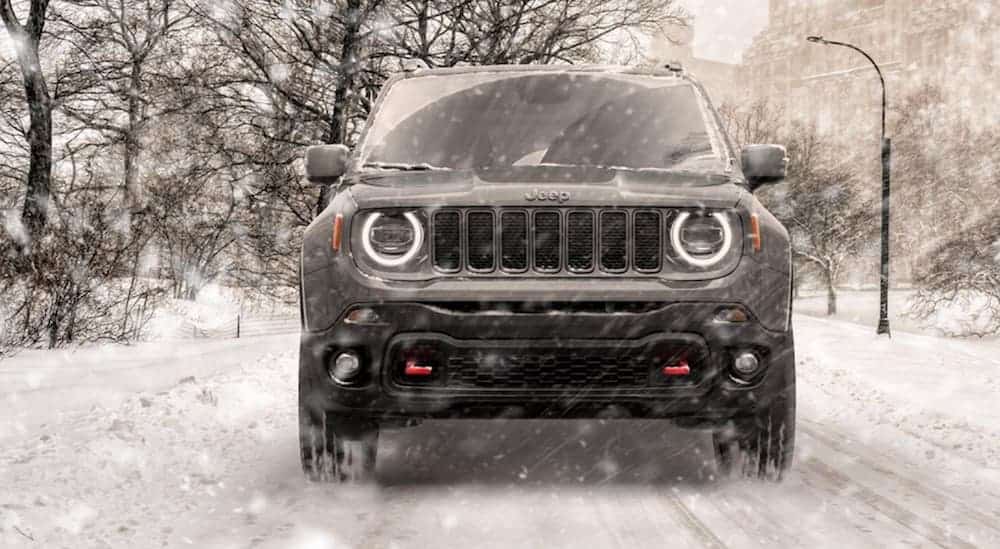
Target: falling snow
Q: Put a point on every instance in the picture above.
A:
(149, 309)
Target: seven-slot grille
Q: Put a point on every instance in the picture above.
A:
(549, 240)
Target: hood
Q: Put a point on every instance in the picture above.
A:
(545, 186)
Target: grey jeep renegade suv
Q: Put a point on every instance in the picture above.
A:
(531, 242)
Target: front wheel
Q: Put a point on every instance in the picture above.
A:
(762, 446)
(337, 450)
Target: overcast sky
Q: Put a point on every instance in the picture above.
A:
(724, 28)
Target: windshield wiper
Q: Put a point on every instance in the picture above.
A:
(424, 167)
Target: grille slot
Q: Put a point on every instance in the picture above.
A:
(580, 241)
(646, 235)
(481, 247)
(546, 240)
(614, 243)
(514, 241)
(447, 241)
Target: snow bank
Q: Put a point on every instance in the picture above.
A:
(895, 392)
(861, 307)
(39, 386)
(121, 473)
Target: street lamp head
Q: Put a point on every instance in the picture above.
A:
(816, 39)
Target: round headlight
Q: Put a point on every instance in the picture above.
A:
(392, 240)
(701, 240)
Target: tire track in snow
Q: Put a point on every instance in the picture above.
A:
(927, 493)
(742, 505)
(843, 486)
(702, 532)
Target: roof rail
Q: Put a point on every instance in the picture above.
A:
(414, 65)
(673, 66)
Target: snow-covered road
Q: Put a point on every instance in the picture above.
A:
(898, 445)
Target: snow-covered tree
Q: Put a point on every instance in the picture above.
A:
(830, 222)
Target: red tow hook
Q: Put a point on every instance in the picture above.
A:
(415, 370)
(679, 368)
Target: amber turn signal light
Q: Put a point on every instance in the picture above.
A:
(755, 232)
(338, 232)
(732, 315)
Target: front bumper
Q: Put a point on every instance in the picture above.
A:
(710, 395)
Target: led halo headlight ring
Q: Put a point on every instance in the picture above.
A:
(418, 241)
(727, 240)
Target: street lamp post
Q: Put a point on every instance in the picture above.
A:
(883, 316)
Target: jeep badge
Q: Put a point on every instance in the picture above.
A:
(535, 194)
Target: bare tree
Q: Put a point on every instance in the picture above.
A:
(71, 293)
(963, 272)
(444, 33)
(946, 167)
(761, 122)
(829, 221)
(122, 59)
(304, 60)
(196, 202)
(14, 150)
(27, 39)
(195, 228)
(950, 173)
(758, 122)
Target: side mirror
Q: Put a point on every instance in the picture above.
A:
(326, 163)
(763, 164)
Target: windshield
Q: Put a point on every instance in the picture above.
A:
(499, 120)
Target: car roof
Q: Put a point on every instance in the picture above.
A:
(671, 69)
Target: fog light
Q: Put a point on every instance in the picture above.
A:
(346, 368)
(746, 365)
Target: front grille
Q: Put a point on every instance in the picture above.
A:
(512, 365)
(550, 240)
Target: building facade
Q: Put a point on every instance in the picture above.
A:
(953, 45)
(722, 81)
(950, 45)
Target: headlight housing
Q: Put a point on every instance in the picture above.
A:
(702, 240)
(392, 240)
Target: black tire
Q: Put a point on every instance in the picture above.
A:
(761, 447)
(338, 450)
